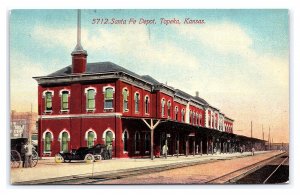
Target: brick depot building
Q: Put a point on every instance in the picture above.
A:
(89, 103)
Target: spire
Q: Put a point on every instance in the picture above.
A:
(79, 48)
(79, 55)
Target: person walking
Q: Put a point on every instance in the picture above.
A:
(252, 150)
(165, 150)
(28, 154)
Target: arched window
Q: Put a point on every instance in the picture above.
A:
(48, 101)
(136, 101)
(108, 98)
(90, 139)
(176, 113)
(64, 100)
(169, 109)
(182, 115)
(137, 140)
(200, 120)
(65, 142)
(147, 141)
(163, 102)
(108, 138)
(90, 99)
(48, 140)
(125, 140)
(125, 100)
(146, 104)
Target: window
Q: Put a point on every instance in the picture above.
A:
(147, 141)
(65, 100)
(147, 105)
(64, 142)
(197, 121)
(125, 141)
(200, 116)
(125, 100)
(216, 122)
(108, 98)
(90, 103)
(48, 100)
(48, 139)
(109, 138)
(191, 117)
(137, 139)
(182, 115)
(136, 101)
(169, 109)
(90, 139)
(176, 113)
(163, 102)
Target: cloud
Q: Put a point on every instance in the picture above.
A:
(22, 86)
(126, 42)
(224, 37)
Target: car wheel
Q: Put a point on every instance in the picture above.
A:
(58, 158)
(89, 158)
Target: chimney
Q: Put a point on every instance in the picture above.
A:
(79, 54)
(197, 93)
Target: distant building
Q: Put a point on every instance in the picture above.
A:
(23, 124)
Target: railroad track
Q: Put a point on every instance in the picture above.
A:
(275, 172)
(112, 175)
(236, 175)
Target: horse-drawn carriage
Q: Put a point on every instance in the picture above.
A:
(17, 156)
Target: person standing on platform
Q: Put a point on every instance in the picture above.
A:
(109, 149)
(28, 154)
(165, 150)
(252, 150)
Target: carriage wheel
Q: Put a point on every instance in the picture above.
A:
(15, 159)
(35, 158)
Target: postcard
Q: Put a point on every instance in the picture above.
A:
(149, 96)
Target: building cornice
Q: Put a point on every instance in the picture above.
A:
(67, 116)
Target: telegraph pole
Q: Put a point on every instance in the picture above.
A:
(269, 139)
(251, 129)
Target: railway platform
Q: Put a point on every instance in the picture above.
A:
(48, 171)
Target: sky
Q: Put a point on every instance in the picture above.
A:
(238, 60)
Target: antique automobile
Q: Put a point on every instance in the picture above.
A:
(16, 155)
(98, 152)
